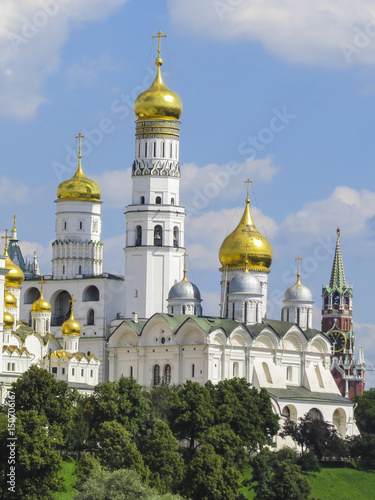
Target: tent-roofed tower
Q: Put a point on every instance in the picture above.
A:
(154, 246)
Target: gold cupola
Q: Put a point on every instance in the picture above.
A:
(8, 321)
(14, 277)
(71, 325)
(41, 304)
(158, 102)
(246, 248)
(79, 187)
(9, 299)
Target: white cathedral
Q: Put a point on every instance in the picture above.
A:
(150, 324)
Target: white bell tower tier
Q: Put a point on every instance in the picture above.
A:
(155, 221)
(77, 249)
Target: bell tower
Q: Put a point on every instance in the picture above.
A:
(154, 247)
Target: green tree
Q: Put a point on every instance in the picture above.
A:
(160, 399)
(362, 450)
(38, 463)
(246, 410)
(191, 413)
(161, 454)
(209, 478)
(365, 411)
(115, 448)
(77, 430)
(84, 467)
(225, 443)
(277, 477)
(38, 390)
(118, 485)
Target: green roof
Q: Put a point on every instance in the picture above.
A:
(296, 393)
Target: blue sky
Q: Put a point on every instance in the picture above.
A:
(238, 65)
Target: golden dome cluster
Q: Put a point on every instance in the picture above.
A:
(79, 187)
(246, 244)
(158, 102)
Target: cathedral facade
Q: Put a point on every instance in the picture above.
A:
(150, 325)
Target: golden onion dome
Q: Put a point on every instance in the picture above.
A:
(9, 299)
(14, 277)
(8, 320)
(246, 245)
(158, 102)
(41, 304)
(71, 326)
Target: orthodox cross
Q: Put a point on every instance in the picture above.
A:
(72, 300)
(79, 137)
(248, 182)
(14, 222)
(159, 36)
(41, 283)
(298, 259)
(185, 278)
(6, 238)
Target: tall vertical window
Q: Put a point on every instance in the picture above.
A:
(158, 200)
(80, 269)
(163, 149)
(156, 375)
(154, 149)
(145, 148)
(171, 151)
(167, 374)
(142, 200)
(138, 236)
(193, 370)
(175, 237)
(158, 236)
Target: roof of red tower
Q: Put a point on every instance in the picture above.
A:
(337, 274)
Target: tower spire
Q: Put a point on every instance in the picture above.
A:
(185, 278)
(337, 275)
(298, 282)
(79, 168)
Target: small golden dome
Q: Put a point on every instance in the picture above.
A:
(41, 305)
(8, 320)
(246, 244)
(14, 277)
(79, 187)
(71, 326)
(9, 299)
(158, 102)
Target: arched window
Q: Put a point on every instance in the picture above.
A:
(267, 373)
(156, 375)
(158, 200)
(175, 236)
(142, 200)
(90, 294)
(31, 295)
(172, 201)
(90, 317)
(61, 308)
(167, 374)
(315, 414)
(158, 236)
(138, 236)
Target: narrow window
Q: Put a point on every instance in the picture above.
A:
(175, 237)
(63, 371)
(139, 149)
(298, 315)
(172, 201)
(183, 309)
(131, 371)
(156, 375)
(267, 373)
(142, 200)
(138, 236)
(73, 372)
(158, 236)
(81, 225)
(167, 373)
(163, 149)
(79, 269)
(154, 149)
(91, 373)
(171, 151)
(90, 317)
(319, 376)
(64, 224)
(145, 148)
(63, 269)
(232, 310)
(235, 369)
(192, 370)
(289, 373)
(82, 373)
(54, 369)
(245, 313)
(158, 200)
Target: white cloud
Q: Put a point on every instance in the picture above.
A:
(116, 187)
(31, 38)
(202, 186)
(85, 74)
(13, 191)
(328, 32)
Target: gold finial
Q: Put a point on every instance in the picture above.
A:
(338, 231)
(185, 278)
(14, 222)
(248, 182)
(298, 282)
(72, 300)
(41, 283)
(159, 36)
(6, 238)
